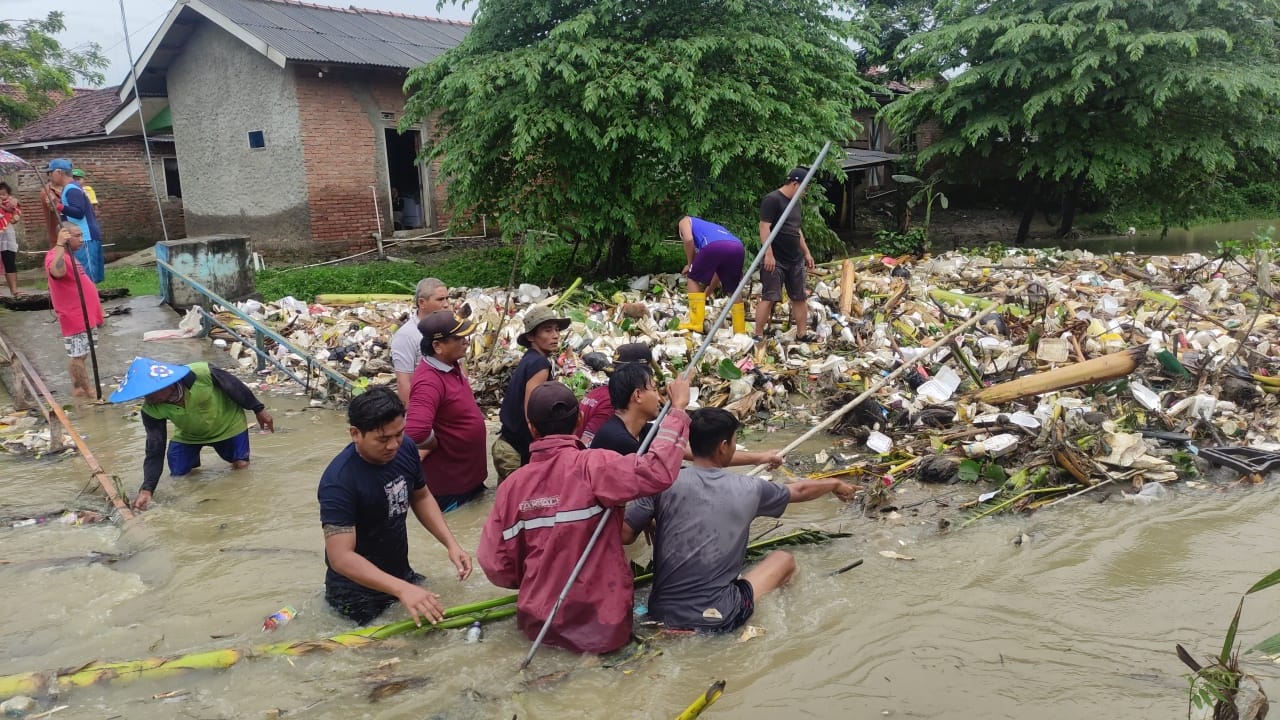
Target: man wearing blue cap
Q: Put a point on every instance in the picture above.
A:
(73, 204)
(206, 406)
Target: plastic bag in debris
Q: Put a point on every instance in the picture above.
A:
(190, 326)
(1149, 493)
(293, 304)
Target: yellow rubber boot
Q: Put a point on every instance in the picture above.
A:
(739, 315)
(697, 312)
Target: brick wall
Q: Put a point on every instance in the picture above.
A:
(117, 169)
(344, 153)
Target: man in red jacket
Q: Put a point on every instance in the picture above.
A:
(546, 511)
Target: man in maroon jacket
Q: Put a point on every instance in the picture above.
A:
(546, 511)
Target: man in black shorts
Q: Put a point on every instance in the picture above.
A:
(786, 260)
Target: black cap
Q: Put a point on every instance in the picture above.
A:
(551, 402)
(797, 174)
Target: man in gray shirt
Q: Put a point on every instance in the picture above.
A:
(703, 525)
(431, 295)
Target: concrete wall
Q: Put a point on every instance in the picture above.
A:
(117, 169)
(218, 262)
(219, 90)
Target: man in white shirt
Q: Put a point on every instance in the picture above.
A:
(406, 353)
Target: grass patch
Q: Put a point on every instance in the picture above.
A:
(474, 267)
(140, 281)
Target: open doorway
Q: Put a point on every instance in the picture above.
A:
(409, 208)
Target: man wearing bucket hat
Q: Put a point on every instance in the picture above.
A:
(596, 407)
(206, 406)
(443, 418)
(73, 204)
(545, 514)
(541, 336)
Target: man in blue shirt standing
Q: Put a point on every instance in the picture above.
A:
(73, 204)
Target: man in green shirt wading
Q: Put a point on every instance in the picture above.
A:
(206, 406)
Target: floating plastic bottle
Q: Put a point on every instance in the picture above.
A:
(278, 618)
(475, 632)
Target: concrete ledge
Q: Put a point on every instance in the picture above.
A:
(219, 262)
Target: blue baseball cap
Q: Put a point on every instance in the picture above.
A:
(146, 376)
(62, 164)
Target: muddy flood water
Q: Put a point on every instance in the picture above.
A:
(1080, 621)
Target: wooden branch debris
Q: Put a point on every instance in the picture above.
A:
(1099, 369)
(848, 279)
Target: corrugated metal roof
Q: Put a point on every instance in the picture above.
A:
(352, 36)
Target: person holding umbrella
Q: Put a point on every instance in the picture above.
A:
(206, 406)
(75, 301)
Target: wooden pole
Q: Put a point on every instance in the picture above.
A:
(847, 279)
(944, 343)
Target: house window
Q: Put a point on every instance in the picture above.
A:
(172, 183)
(257, 140)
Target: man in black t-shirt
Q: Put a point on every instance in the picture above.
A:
(636, 404)
(365, 495)
(786, 259)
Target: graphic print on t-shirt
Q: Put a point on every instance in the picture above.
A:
(397, 497)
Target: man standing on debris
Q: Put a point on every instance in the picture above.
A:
(546, 513)
(76, 318)
(10, 212)
(703, 525)
(786, 259)
(206, 406)
(73, 204)
(713, 253)
(636, 403)
(365, 495)
(542, 338)
(406, 344)
(443, 418)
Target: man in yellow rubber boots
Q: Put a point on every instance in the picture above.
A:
(712, 252)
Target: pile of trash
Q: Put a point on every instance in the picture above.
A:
(26, 434)
(1073, 371)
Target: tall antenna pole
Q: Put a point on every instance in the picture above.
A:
(142, 121)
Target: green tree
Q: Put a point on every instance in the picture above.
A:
(1090, 94)
(603, 120)
(32, 60)
(895, 22)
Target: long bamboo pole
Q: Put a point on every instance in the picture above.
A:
(944, 343)
(460, 616)
(666, 408)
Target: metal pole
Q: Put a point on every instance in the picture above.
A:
(142, 121)
(88, 328)
(666, 408)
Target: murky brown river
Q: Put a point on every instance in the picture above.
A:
(1080, 622)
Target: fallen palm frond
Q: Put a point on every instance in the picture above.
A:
(461, 616)
(1099, 369)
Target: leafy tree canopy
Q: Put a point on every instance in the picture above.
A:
(32, 60)
(1102, 92)
(896, 23)
(605, 120)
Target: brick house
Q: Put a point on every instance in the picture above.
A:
(284, 117)
(116, 167)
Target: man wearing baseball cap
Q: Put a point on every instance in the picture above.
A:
(443, 418)
(546, 512)
(786, 259)
(72, 204)
(80, 178)
(206, 406)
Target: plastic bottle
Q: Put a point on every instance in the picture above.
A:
(278, 618)
(475, 632)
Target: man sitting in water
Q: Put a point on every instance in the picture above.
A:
(364, 495)
(703, 523)
(636, 402)
(546, 512)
